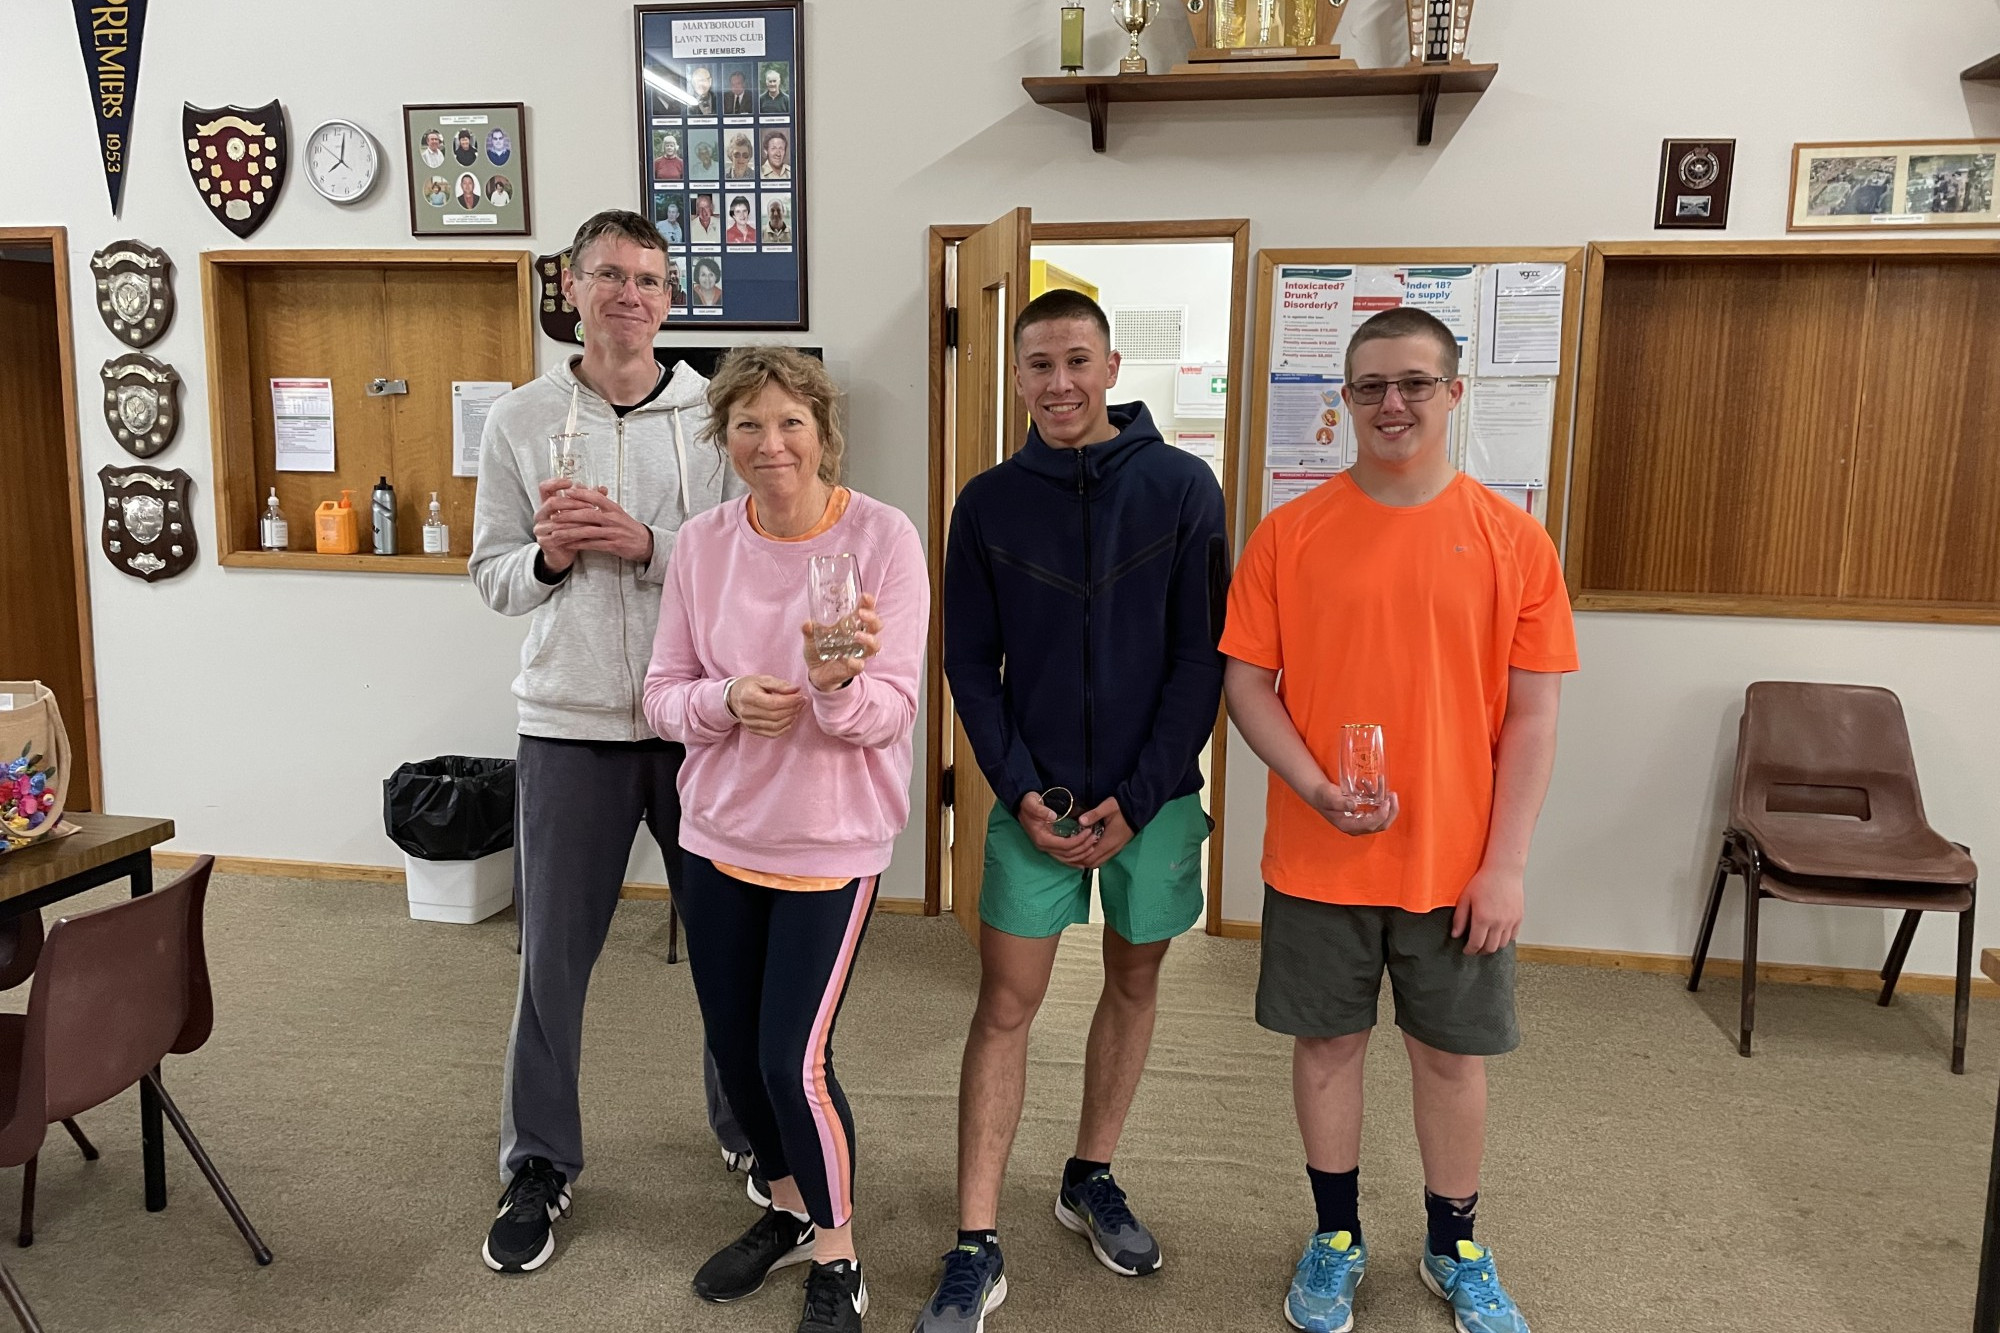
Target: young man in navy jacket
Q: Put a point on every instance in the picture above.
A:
(1085, 583)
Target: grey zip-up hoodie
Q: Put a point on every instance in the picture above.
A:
(583, 667)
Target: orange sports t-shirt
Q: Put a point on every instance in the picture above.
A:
(836, 505)
(1408, 617)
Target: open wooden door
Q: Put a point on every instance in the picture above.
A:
(992, 288)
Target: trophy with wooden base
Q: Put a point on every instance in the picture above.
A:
(1235, 36)
(1438, 30)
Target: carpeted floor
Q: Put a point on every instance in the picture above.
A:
(1641, 1176)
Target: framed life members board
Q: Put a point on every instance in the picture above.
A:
(722, 157)
(468, 165)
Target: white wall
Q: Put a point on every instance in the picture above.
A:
(261, 709)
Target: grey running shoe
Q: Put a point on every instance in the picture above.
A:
(1096, 1209)
(973, 1285)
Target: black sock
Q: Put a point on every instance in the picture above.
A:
(1076, 1171)
(1450, 1222)
(1337, 1197)
(985, 1239)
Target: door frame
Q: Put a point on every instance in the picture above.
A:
(56, 239)
(942, 238)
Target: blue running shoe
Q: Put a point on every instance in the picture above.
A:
(1322, 1296)
(1096, 1210)
(1478, 1302)
(973, 1285)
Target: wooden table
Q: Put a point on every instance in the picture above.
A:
(108, 847)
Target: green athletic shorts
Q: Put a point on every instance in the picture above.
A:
(1322, 972)
(1151, 889)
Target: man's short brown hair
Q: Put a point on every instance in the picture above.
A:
(1406, 322)
(1060, 303)
(746, 372)
(634, 227)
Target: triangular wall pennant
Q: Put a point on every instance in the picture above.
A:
(110, 36)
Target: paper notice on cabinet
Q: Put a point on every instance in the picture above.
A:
(471, 400)
(1203, 444)
(1520, 323)
(1376, 288)
(1303, 412)
(1312, 317)
(1451, 292)
(1508, 429)
(1281, 485)
(302, 417)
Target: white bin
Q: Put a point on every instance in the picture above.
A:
(459, 891)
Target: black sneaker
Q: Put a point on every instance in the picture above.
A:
(836, 1298)
(1096, 1210)
(973, 1285)
(521, 1238)
(774, 1240)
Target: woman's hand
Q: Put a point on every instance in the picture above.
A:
(765, 705)
(827, 677)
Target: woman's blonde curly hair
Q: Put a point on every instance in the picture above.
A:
(745, 372)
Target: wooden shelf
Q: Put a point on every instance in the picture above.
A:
(359, 563)
(1987, 71)
(425, 317)
(1097, 91)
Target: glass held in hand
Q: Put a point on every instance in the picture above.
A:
(569, 456)
(1364, 767)
(834, 606)
(1061, 804)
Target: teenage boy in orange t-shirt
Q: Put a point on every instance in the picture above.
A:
(1404, 594)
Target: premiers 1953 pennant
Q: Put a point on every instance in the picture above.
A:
(110, 35)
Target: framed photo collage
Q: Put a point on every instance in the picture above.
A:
(721, 132)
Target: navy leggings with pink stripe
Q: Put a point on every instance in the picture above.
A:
(771, 968)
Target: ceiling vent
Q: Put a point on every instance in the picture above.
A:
(1148, 334)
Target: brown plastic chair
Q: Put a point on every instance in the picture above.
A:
(116, 991)
(1826, 812)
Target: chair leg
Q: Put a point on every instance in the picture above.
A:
(258, 1249)
(90, 1153)
(27, 1237)
(1899, 949)
(18, 1303)
(1961, 1008)
(1750, 897)
(673, 931)
(1708, 922)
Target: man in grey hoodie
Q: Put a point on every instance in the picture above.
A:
(585, 554)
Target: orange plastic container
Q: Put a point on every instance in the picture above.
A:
(336, 526)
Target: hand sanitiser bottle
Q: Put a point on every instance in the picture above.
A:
(273, 532)
(385, 517)
(437, 537)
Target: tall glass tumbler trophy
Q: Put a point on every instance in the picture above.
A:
(1364, 767)
(1133, 16)
(569, 457)
(834, 606)
(1438, 29)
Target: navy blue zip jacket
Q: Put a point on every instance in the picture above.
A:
(1084, 592)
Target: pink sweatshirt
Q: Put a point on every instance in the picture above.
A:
(829, 796)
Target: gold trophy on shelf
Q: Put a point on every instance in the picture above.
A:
(1133, 16)
(1231, 36)
(1438, 30)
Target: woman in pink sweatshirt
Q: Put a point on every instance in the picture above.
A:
(795, 787)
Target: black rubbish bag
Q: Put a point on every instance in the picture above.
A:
(452, 808)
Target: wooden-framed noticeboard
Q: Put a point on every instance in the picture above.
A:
(1516, 313)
